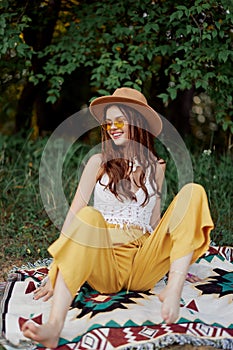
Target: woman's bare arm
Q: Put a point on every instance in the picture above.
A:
(86, 185)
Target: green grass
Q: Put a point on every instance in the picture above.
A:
(26, 230)
(215, 173)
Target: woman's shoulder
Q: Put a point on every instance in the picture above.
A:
(95, 160)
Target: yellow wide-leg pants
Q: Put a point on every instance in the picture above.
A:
(93, 250)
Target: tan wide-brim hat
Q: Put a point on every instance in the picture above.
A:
(132, 98)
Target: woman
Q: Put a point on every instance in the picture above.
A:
(122, 242)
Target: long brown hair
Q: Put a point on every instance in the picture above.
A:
(118, 168)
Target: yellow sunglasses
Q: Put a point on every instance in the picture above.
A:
(119, 124)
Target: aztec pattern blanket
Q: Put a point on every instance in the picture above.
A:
(127, 320)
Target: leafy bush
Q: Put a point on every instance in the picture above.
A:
(133, 43)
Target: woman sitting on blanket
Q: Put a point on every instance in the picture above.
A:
(122, 242)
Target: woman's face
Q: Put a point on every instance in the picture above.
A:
(117, 126)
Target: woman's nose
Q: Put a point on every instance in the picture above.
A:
(113, 126)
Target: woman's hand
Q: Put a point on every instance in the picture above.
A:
(192, 278)
(45, 290)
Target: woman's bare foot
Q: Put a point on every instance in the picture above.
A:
(45, 334)
(171, 304)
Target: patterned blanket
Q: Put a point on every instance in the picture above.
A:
(127, 320)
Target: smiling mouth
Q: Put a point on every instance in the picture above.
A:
(116, 135)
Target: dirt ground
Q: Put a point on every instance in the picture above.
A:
(6, 265)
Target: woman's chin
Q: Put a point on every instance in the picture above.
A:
(120, 141)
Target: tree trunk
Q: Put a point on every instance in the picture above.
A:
(44, 18)
(25, 107)
(178, 112)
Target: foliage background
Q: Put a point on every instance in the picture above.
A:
(56, 55)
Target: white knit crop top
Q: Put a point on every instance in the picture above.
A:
(126, 212)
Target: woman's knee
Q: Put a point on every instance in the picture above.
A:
(193, 189)
(190, 195)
